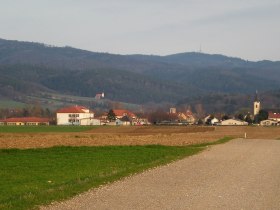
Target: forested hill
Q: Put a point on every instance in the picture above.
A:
(27, 67)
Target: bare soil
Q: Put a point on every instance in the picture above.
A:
(135, 135)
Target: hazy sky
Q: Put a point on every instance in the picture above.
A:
(249, 29)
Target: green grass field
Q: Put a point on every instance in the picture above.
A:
(33, 177)
(39, 129)
(11, 104)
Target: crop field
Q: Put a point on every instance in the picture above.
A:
(132, 135)
(33, 177)
(43, 129)
(44, 164)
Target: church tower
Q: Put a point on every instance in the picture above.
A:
(257, 104)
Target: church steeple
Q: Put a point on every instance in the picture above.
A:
(257, 104)
(256, 96)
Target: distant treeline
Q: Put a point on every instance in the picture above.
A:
(31, 111)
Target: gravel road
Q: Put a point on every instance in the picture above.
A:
(241, 174)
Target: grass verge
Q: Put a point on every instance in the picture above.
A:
(220, 141)
(33, 177)
(42, 129)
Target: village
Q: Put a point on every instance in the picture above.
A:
(82, 116)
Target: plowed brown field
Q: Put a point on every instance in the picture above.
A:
(133, 135)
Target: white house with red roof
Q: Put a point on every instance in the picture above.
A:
(76, 115)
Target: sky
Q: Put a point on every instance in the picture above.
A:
(249, 29)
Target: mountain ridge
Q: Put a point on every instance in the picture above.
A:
(129, 78)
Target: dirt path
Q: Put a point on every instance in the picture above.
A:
(241, 174)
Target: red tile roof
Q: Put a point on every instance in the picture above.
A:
(123, 112)
(74, 109)
(26, 119)
(273, 115)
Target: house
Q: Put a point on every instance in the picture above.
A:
(125, 120)
(274, 115)
(141, 121)
(118, 122)
(25, 121)
(233, 122)
(76, 115)
(187, 117)
(211, 120)
(99, 96)
(120, 113)
(123, 117)
(269, 123)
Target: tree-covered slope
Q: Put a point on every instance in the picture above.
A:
(27, 67)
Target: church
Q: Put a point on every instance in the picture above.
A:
(257, 105)
(273, 114)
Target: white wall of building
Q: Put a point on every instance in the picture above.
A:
(90, 121)
(257, 107)
(269, 122)
(233, 122)
(76, 119)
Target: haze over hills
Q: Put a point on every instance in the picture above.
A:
(31, 68)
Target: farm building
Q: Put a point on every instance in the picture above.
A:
(269, 123)
(76, 115)
(233, 122)
(25, 121)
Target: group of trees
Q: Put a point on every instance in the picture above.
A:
(135, 79)
(31, 111)
(245, 117)
(160, 115)
(263, 115)
(111, 116)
